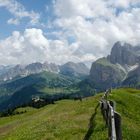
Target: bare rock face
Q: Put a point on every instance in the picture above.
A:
(74, 69)
(8, 73)
(70, 69)
(124, 53)
(105, 75)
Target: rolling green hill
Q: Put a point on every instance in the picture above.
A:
(21, 90)
(41, 79)
(72, 120)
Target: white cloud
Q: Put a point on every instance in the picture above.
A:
(86, 31)
(123, 3)
(32, 46)
(13, 21)
(19, 12)
(97, 25)
(87, 9)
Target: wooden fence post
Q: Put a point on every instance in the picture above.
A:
(118, 126)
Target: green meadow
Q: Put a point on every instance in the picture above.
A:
(73, 120)
(57, 90)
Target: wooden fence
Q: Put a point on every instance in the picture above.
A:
(111, 117)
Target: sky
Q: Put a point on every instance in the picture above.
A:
(59, 31)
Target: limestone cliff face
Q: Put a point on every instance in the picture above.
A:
(74, 69)
(105, 75)
(124, 53)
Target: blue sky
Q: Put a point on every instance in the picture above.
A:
(65, 30)
(38, 6)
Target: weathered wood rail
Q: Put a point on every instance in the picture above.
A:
(111, 117)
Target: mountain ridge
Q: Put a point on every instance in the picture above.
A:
(8, 73)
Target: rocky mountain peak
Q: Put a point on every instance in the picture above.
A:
(74, 69)
(121, 64)
(8, 73)
(123, 53)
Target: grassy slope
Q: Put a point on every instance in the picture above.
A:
(128, 103)
(105, 62)
(44, 79)
(58, 90)
(69, 120)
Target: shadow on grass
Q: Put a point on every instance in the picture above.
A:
(92, 124)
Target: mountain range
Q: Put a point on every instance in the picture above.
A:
(18, 84)
(8, 73)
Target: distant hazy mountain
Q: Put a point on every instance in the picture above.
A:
(71, 69)
(8, 73)
(117, 68)
(74, 69)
